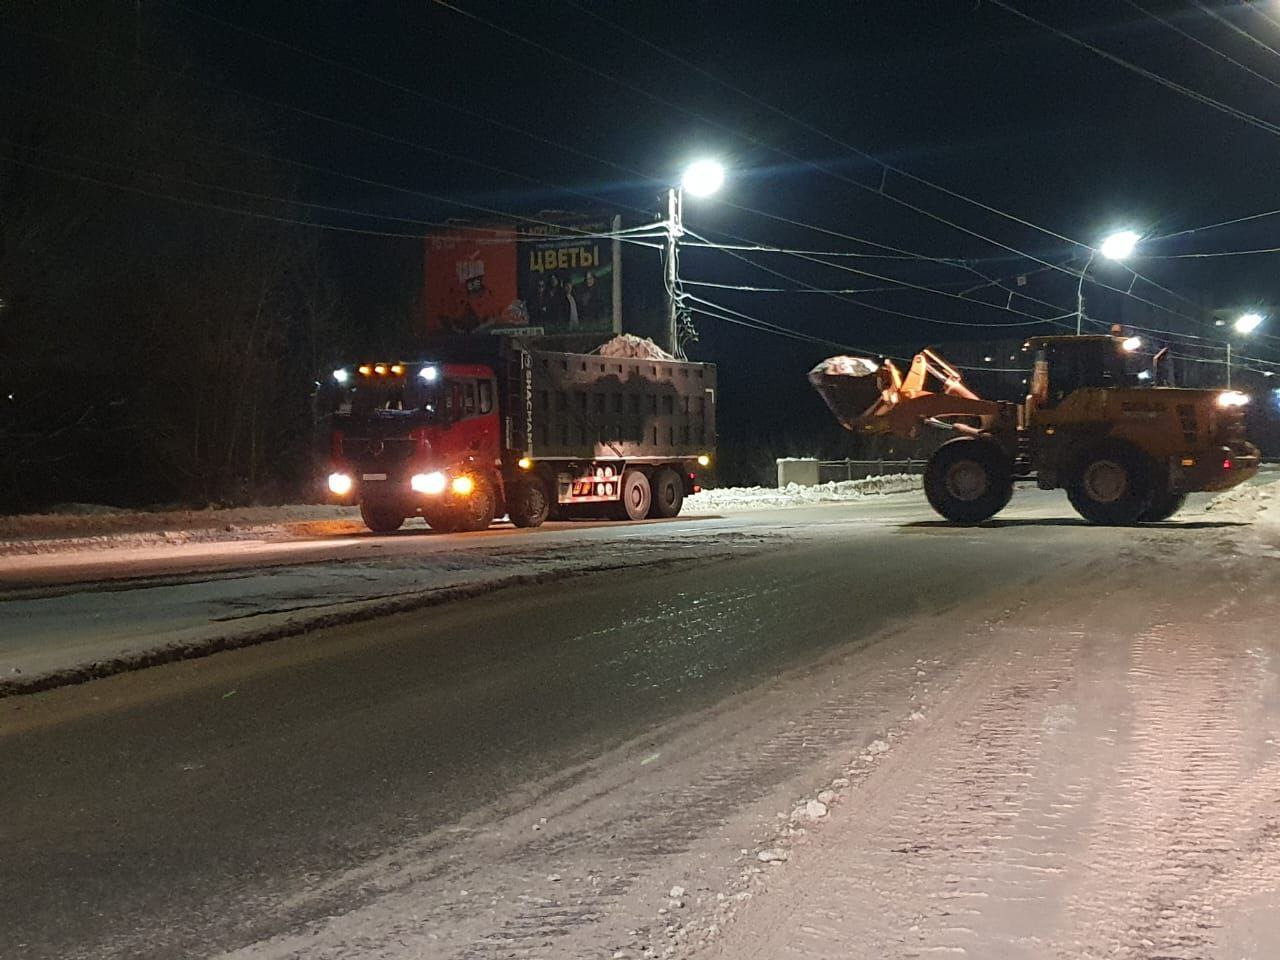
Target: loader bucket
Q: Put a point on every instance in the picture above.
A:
(850, 387)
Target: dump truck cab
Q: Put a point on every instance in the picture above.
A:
(414, 438)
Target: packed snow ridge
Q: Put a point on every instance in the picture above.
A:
(1248, 503)
(795, 495)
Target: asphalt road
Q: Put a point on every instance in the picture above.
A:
(529, 773)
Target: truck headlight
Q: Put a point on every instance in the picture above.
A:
(431, 483)
(463, 486)
(1232, 398)
(340, 483)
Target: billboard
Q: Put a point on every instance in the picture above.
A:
(541, 279)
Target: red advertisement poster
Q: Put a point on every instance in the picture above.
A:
(470, 279)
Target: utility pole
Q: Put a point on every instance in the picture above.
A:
(675, 230)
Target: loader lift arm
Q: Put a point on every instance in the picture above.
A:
(878, 399)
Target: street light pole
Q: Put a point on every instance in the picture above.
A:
(1117, 246)
(671, 277)
(1245, 324)
(701, 179)
(1080, 292)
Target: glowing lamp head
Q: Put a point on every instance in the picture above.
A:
(703, 178)
(463, 486)
(340, 484)
(429, 483)
(704, 461)
(1131, 344)
(341, 376)
(428, 374)
(365, 369)
(1232, 398)
(397, 369)
(380, 369)
(524, 463)
(1248, 322)
(1119, 245)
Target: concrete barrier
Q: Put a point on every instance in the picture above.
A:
(799, 471)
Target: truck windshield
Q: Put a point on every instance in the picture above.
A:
(398, 399)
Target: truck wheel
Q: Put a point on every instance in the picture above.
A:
(530, 504)
(444, 521)
(1111, 485)
(381, 518)
(475, 512)
(1163, 506)
(968, 480)
(635, 497)
(668, 493)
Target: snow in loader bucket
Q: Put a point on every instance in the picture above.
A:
(849, 386)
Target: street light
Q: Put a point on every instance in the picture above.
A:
(700, 179)
(1115, 246)
(1248, 322)
(703, 178)
(1245, 324)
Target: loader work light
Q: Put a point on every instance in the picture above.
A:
(341, 376)
(428, 374)
(1232, 398)
(340, 483)
(463, 486)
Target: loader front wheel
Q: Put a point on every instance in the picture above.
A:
(1163, 506)
(968, 480)
(1112, 485)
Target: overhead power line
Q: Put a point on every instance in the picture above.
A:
(877, 308)
(777, 111)
(1200, 43)
(1237, 29)
(1214, 226)
(1208, 101)
(641, 91)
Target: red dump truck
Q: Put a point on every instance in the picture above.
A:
(477, 427)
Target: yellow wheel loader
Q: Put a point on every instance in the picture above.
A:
(1094, 424)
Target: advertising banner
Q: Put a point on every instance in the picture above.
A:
(470, 278)
(535, 279)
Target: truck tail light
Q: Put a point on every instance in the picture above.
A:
(1226, 464)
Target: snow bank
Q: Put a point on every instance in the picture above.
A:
(1248, 503)
(795, 495)
(90, 525)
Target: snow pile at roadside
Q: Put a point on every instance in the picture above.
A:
(795, 495)
(87, 524)
(1248, 503)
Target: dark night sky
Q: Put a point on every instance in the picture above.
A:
(962, 93)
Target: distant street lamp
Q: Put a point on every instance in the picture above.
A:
(1116, 246)
(1245, 324)
(701, 178)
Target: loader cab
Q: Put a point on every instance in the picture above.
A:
(1062, 365)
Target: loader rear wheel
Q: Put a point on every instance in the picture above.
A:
(968, 480)
(381, 518)
(1163, 506)
(668, 493)
(635, 497)
(1112, 485)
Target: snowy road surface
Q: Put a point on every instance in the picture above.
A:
(839, 731)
